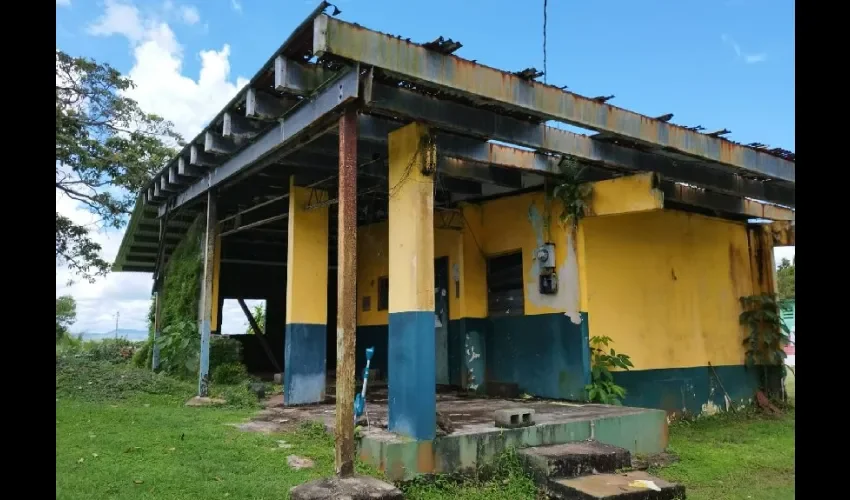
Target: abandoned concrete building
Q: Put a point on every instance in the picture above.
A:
(365, 183)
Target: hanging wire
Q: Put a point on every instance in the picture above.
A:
(545, 7)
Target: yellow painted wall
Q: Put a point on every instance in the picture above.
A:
(411, 220)
(373, 263)
(665, 286)
(307, 260)
(492, 228)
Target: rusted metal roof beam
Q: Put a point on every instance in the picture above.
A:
(721, 203)
(508, 157)
(298, 79)
(467, 120)
(316, 111)
(301, 32)
(451, 73)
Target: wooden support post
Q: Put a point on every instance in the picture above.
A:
(206, 302)
(346, 294)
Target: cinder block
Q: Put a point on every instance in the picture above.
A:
(514, 417)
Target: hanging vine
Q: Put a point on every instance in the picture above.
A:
(768, 334)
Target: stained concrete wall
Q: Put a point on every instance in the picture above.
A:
(543, 352)
(665, 286)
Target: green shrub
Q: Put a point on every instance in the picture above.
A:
(229, 374)
(224, 350)
(142, 357)
(111, 350)
(78, 376)
(179, 347)
(239, 395)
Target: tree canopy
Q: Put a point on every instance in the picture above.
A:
(107, 149)
(66, 315)
(259, 315)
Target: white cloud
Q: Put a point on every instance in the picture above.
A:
(63, 3)
(190, 14)
(747, 58)
(236, 5)
(161, 88)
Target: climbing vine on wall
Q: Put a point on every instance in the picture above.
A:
(574, 193)
(602, 388)
(181, 287)
(768, 334)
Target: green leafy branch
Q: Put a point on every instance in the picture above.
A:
(572, 191)
(602, 388)
(768, 334)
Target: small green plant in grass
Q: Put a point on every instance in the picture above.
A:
(602, 388)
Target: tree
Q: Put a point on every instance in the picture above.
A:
(785, 279)
(259, 315)
(66, 315)
(107, 149)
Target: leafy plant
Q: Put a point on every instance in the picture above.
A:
(179, 347)
(602, 388)
(572, 191)
(229, 374)
(768, 334)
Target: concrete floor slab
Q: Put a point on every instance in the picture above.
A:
(476, 440)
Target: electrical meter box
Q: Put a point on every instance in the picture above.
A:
(546, 256)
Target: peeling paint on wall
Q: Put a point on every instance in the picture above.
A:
(567, 298)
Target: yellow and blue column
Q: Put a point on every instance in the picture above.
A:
(306, 299)
(412, 345)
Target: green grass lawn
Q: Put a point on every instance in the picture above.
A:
(734, 457)
(125, 433)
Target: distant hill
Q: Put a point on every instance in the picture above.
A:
(124, 333)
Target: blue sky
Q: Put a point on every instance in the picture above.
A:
(728, 63)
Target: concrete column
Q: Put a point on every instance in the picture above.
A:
(412, 363)
(306, 299)
(473, 302)
(207, 300)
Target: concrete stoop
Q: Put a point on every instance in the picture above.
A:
(585, 470)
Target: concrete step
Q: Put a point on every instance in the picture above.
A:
(574, 459)
(635, 485)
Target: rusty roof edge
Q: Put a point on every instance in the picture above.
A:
(324, 18)
(306, 24)
(135, 218)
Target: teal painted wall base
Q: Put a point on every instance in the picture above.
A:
(467, 353)
(547, 355)
(693, 390)
(304, 364)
